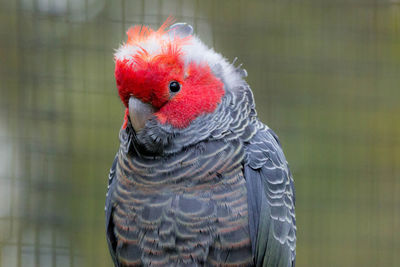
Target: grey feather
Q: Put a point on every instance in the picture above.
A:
(111, 240)
(271, 201)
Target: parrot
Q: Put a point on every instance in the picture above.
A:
(198, 179)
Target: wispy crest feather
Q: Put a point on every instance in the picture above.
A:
(145, 43)
(140, 33)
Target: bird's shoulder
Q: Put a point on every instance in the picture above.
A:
(271, 200)
(111, 239)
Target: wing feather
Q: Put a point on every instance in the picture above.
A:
(271, 201)
(111, 239)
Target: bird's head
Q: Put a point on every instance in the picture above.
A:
(168, 76)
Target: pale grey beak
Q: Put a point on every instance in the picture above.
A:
(139, 113)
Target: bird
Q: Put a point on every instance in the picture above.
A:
(198, 179)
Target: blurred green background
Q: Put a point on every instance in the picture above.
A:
(326, 78)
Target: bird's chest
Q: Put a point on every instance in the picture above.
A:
(171, 228)
(198, 219)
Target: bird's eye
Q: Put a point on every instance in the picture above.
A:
(174, 86)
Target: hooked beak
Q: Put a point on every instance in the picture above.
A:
(139, 113)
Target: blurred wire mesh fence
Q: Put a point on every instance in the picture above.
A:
(326, 77)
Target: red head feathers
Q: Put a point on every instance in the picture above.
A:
(152, 61)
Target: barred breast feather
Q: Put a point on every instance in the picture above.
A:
(189, 209)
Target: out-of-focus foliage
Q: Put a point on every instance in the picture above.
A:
(326, 77)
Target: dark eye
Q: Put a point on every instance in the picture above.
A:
(174, 86)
